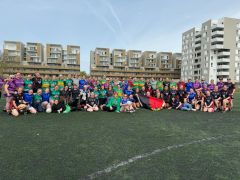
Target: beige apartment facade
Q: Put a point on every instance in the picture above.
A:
(121, 63)
(212, 51)
(33, 57)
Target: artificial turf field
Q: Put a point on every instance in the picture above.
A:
(143, 145)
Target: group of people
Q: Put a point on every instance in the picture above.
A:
(74, 93)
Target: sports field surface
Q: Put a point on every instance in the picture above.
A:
(143, 145)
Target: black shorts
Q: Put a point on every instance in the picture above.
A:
(102, 101)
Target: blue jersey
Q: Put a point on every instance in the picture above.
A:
(124, 101)
(82, 82)
(128, 92)
(131, 99)
(191, 96)
(189, 85)
(28, 98)
(45, 96)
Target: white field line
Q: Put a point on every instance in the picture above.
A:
(157, 151)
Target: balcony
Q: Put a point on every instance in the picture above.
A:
(198, 39)
(53, 61)
(217, 33)
(197, 45)
(224, 53)
(223, 60)
(223, 67)
(217, 39)
(217, 26)
(223, 73)
(217, 46)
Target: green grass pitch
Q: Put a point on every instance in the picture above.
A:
(80, 144)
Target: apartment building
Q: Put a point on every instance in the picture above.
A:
(165, 60)
(212, 51)
(13, 51)
(34, 53)
(149, 59)
(53, 59)
(132, 63)
(177, 60)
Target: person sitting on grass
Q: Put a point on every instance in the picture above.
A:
(58, 106)
(19, 105)
(126, 105)
(175, 104)
(92, 103)
(208, 103)
(113, 104)
(225, 96)
(198, 102)
(186, 106)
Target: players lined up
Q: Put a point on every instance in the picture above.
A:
(64, 94)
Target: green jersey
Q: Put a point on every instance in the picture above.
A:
(114, 102)
(96, 93)
(140, 84)
(69, 83)
(55, 94)
(172, 84)
(135, 85)
(119, 92)
(102, 81)
(27, 84)
(54, 82)
(60, 84)
(45, 84)
(102, 93)
(37, 98)
(160, 85)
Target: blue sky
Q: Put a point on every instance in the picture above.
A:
(130, 24)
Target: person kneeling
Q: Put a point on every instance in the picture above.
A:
(92, 103)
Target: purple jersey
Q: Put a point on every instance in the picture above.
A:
(1, 83)
(18, 82)
(11, 87)
(197, 85)
(220, 85)
(211, 87)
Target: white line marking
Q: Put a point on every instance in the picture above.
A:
(141, 156)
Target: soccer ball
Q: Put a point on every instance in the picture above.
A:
(48, 110)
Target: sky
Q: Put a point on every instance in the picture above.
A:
(127, 24)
